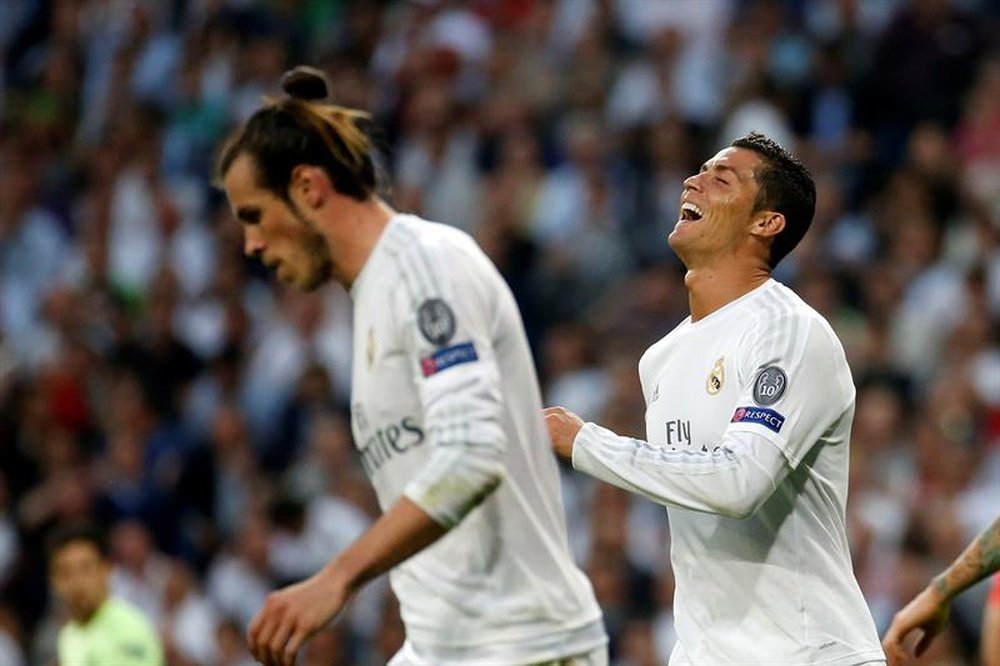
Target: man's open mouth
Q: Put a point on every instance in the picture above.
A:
(690, 212)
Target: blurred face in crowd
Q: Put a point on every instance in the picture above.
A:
(79, 576)
(717, 208)
(275, 230)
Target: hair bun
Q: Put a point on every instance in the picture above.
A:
(306, 83)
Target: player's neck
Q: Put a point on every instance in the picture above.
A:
(712, 287)
(352, 243)
(83, 616)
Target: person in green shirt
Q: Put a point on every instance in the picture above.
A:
(102, 631)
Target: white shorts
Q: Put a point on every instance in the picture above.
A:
(595, 657)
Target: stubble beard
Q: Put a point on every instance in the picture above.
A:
(320, 263)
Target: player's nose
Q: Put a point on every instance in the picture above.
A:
(252, 245)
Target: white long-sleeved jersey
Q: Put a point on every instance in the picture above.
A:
(446, 411)
(748, 425)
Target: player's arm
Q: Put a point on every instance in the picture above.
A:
(929, 610)
(979, 560)
(769, 433)
(732, 478)
(290, 616)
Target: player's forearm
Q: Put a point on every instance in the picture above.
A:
(402, 531)
(979, 560)
(732, 479)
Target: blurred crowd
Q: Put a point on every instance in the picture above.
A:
(156, 382)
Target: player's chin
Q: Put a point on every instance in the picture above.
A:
(309, 282)
(678, 234)
(288, 274)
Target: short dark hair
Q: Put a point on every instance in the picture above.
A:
(63, 535)
(786, 187)
(302, 129)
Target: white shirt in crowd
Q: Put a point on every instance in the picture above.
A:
(748, 425)
(446, 410)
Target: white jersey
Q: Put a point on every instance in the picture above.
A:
(446, 410)
(748, 424)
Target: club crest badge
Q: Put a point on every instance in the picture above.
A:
(717, 377)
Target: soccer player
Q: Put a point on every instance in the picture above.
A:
(101, 629)
(929, 611)
(748, 415)
(445, 407)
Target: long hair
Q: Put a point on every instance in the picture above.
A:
(302, 129)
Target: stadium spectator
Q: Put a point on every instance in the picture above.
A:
(100, 629)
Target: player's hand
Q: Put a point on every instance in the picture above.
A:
(928, 612)
(292, 615)
(563, 427)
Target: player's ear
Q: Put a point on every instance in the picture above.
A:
(767, 224)
(310, 185)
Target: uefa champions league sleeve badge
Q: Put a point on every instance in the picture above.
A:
(436, 321)
(770, 385)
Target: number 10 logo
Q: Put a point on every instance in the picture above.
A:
(769, 385)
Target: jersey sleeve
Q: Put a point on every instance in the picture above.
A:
(445, 312)
(795, 385)
(732, 479)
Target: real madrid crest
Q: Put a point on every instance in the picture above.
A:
(370, 347)
(717, 377)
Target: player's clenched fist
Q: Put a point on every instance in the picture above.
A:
(291, 615)
(563, 427)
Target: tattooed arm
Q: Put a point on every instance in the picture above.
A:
(979, 560)
(929, 610)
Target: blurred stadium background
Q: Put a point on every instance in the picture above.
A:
(154, 381)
